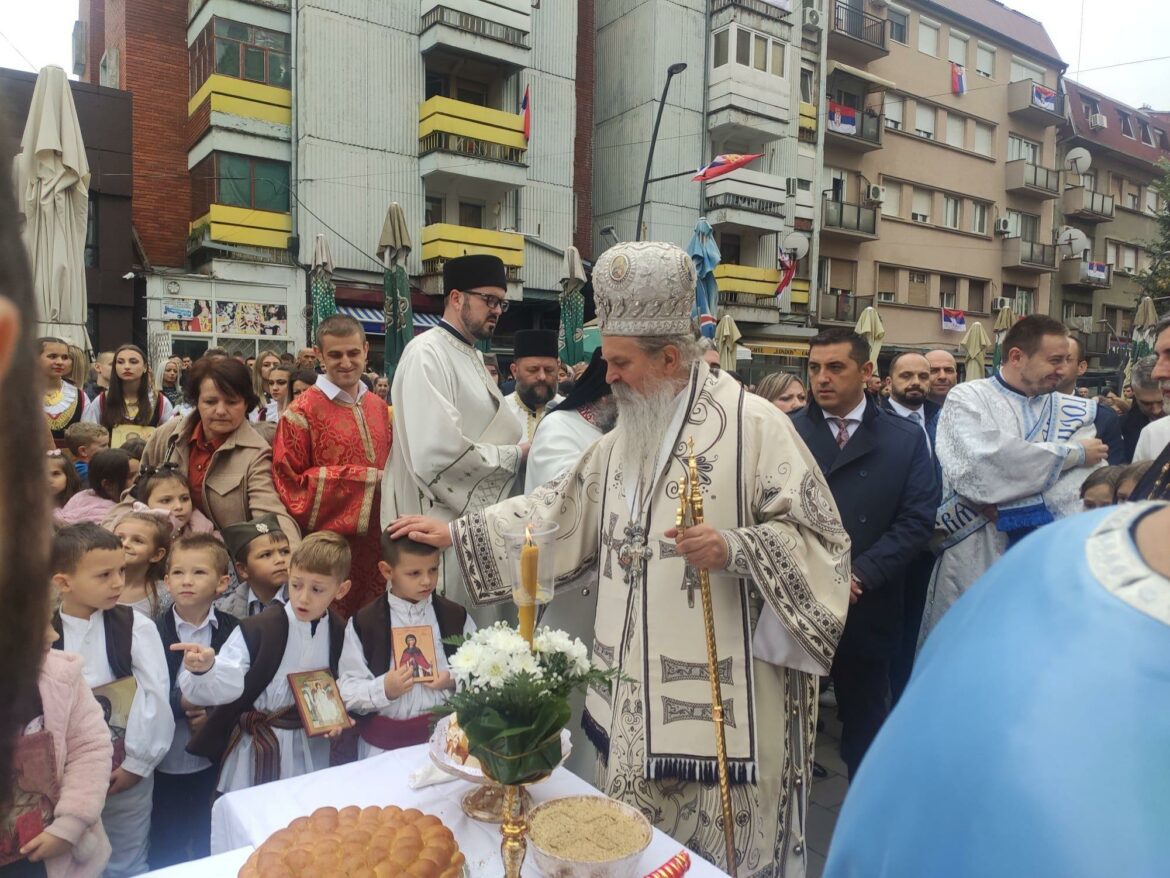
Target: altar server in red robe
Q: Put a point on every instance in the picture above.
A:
(331, 446)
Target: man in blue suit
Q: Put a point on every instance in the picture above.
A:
(910, 377)
(879, 469)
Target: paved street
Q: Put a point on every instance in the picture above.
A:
(827, 793)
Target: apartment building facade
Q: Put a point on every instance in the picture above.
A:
(212, 89)
(1111, 151)
(753, 73)
(423, 104)
(941, 176)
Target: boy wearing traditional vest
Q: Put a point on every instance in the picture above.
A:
(396, 707)
(88, 567)
(255, 731)
(180, 829)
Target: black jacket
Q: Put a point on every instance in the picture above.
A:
(1131, 427)
(884, 484)
(1108, 426)
(168, 631)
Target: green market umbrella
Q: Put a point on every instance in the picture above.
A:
(1144, 322)
(976, 343)
(571, 338)
(1004, 320)
(321, 285)
(870, 327)
(393, 248)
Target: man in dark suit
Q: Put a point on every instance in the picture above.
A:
(910, 382)
(1107, 421)
(879, 469)
(1147, 403)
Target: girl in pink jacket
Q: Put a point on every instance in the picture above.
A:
(73, 844)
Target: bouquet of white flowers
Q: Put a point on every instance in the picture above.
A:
(512, 701)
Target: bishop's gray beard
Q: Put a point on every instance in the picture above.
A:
(641, 425)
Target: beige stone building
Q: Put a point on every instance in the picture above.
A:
(932, 199)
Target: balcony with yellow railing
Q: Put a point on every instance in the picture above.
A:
(242, 226)
(239, 97)
(443, 241)
(748, 293)
(460, 142)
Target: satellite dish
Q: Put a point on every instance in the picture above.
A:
(1072, 243)
(797, 243)
(1077, 160)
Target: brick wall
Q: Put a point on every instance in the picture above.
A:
(583, 141)
(152, 39)
(93, 14)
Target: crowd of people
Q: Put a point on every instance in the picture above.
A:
(232, 521)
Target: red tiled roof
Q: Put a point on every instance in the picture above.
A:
(1027, 32)
(1110, 137)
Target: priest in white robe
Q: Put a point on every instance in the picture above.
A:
(457, 446)
(773, 543)
(534, 369)
(1013, 454)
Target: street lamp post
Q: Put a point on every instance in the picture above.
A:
(672, 71)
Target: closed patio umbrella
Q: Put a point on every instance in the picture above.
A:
(976, 343)
(321, 284)
(727, 336)
(1004, 319)
(52, 179)
(393, 248)
(704, 252)
(871, 328)
(571, 339)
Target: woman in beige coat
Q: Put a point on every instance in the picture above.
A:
(226, 462)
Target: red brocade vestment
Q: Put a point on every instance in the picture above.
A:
(328, 458)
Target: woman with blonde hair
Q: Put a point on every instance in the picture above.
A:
(261, 373)
(168, 380)
(784, 390)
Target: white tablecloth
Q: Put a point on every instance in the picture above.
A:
(248, 817)
(223, 865)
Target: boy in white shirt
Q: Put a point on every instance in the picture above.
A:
(255, 731)
(395, 705)
(88, 564)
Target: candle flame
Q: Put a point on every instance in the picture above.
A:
(528, 535)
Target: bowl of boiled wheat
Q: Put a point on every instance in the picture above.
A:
(587, 837)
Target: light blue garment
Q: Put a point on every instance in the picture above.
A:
(704, 253)
(1034, 737)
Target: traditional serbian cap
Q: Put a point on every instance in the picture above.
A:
(644, 288)
(474, 271)
(237, 537)
(535, 343)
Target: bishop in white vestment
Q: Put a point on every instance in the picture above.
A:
(457, 447)
(773, 542)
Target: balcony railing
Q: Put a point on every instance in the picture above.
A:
(842, 307)
(732, 201)
(443, 241)
(1087, 204)
(471, 130)
(473, 24)
(1023, 175)
(1082, 273)
(760, 7)
(865, 129)
(441, 141)
(850, 217)
(1035, 102)
(859, 25)
(1019, 253)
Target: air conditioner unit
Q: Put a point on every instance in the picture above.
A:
(875, 193)
(996, 304)
(812, 19)
(1097, 121)
(790, 186)
(1003, 226)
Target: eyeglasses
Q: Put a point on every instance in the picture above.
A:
(492, 302)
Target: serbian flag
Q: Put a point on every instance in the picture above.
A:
(526, 112)
(958, 79)
(724, 164)
(1044, 98)
(842, 119)
(787, 271)
(953, 321)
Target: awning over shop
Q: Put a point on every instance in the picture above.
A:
(373, 323)
(837, 66)
(778, 348)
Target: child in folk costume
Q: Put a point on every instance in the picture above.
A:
(115, 643)
(395, 705)
(146, 539)
(254, 729)
(180, 828)
(64, 404)
(261, 552)
(66, 723)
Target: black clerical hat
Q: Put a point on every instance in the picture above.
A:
(590, 387)
(535, 343)
(474, 271)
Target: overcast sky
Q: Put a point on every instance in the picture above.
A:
(1114, 32)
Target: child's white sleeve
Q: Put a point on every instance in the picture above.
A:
(224, 683)
(361, 691)
(151, 725)
(469, 626)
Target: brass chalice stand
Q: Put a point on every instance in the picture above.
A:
(690, 513)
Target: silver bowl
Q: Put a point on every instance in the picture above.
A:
(553, 866)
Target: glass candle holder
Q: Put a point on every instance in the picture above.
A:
(531, 549)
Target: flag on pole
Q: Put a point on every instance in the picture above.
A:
(724, 164)
(958, 79)
(787, 262)
(526, 112)
(953, 321)
(842, 119)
